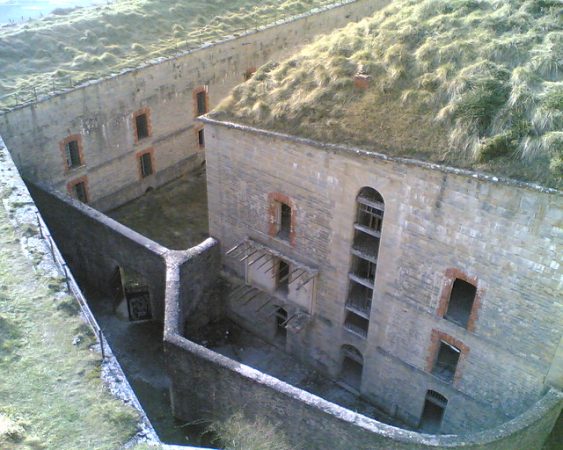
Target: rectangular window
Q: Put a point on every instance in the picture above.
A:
(356, 324)
(146, 164)
(461, 302)
(72, 150)
(201, 138)
(446, 362)
(284, 221)
(80, 191)
(142, 125)
(201, 101)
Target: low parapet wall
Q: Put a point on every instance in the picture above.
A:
(208, 385)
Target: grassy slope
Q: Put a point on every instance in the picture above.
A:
(51, 395)
(73, 46)
(471, 83)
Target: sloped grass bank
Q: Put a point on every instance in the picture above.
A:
(471, 83)
(51, 394)
(75, 45)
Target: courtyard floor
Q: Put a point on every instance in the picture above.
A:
(228, 339)
(174, 215)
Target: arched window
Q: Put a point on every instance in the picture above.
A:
(433, 412)
(365, 252)
(352, 367)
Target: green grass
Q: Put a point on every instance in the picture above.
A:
(51, 395)
(77, 45)
(474, 84)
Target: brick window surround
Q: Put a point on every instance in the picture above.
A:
(138, 156)
(71, 185)
(450, 276)
(203, 90)
(62, 146)
(435, 339)
(147, 112)
(275, 199)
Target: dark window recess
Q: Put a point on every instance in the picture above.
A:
(461, 302)
(446, 362)
(201, 138)
(433, 412)
(356, 323)
(370, 217)
(142, 124)
(201, 99)
(73, 155)
(283, 277)
(285, 221)
(146, 165)
(352, 367)
(364, 268)
(281, 319)
(80, 192)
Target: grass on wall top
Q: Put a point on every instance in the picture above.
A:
(71, 46)
(471, 83)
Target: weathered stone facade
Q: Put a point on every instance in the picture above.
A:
(439, 225)
(102, 113)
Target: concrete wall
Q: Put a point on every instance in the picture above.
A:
(505, 235)
(206, 385)
(102, 112)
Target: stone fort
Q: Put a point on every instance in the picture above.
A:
(428, 295)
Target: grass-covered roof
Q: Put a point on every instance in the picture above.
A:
(71, 46)
(470, 83)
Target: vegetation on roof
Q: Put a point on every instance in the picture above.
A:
(470, 83)
(74, 45)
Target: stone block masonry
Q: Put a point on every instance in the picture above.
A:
(501, 235)
(103, 112)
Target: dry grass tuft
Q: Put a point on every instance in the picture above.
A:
(74, 45)
(471, 83)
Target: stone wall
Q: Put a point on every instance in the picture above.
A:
(207, 385)
(503, 234)
(95, 245)
(102, 112)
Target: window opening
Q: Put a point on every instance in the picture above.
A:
(146, 165)
(281, 319)
(356, 324)
(72, 150)
(446, 362)
(352, 367)
(370, 216)
(461, 302)
(201, 138)
(285, 221)
(80, 192)
(364, 268)
(282, 282)
(359, 298)
(201, 100)
(142, 125)
(433, 412)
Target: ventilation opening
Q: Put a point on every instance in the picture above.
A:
(142, 126)
(461, 302)
(433, 412)
(446, 362)
(285, 221)
(281, 319)
(356, 324)
(201, 103)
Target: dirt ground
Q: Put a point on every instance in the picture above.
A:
(174, 215)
